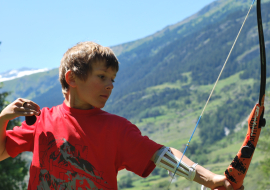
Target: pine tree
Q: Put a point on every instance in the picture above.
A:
(12, 170)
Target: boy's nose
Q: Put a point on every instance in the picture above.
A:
(110, 86)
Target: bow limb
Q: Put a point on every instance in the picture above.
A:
(237, 170)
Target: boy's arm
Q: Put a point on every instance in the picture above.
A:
(3, 151)
(202, 176)
(20, 107)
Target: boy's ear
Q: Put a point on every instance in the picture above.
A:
(70, 78)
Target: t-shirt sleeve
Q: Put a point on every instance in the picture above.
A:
(136, 151)
(20, 139)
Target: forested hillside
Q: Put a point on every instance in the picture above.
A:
(165, 79)
(200, 52)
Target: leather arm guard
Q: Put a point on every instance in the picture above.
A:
(165, 159)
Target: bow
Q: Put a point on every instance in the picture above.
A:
(237, 170)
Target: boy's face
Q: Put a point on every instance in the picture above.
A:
(97, 88)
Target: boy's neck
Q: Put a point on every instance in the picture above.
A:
(72, 103)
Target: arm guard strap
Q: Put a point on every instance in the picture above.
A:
(165, 159)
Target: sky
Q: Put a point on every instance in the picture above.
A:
(36, 34)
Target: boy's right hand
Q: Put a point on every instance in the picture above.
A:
(20, 107)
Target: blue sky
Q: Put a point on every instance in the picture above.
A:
(36, 34)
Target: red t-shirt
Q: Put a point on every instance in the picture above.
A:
(85, 149)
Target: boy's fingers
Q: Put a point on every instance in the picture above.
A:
(242, 188)
(29, 104)
(22, 109)
(26, 113)
(20, 102)
(228, 185)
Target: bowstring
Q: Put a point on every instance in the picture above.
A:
(212, 91)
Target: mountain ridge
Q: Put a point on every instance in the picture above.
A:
(17, 73)
(122, 48)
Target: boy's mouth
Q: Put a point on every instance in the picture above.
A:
(105, 96)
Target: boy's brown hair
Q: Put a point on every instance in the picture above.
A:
(79, 60)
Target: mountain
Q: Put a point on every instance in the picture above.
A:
(198, 46)
(165, 78)
(17, 73)
(169, 71)
(194, 49)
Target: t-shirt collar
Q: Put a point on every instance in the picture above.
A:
(72, 111)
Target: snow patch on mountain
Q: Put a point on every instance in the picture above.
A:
(17, 73)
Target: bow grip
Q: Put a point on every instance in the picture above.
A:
(237, 170)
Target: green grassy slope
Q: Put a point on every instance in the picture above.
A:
(175, 128)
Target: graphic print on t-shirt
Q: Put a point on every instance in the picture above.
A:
(65, 166)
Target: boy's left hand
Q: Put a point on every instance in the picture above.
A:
(221, 183)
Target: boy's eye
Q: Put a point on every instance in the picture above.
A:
(103, 77)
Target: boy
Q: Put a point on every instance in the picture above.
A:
(76, 145)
